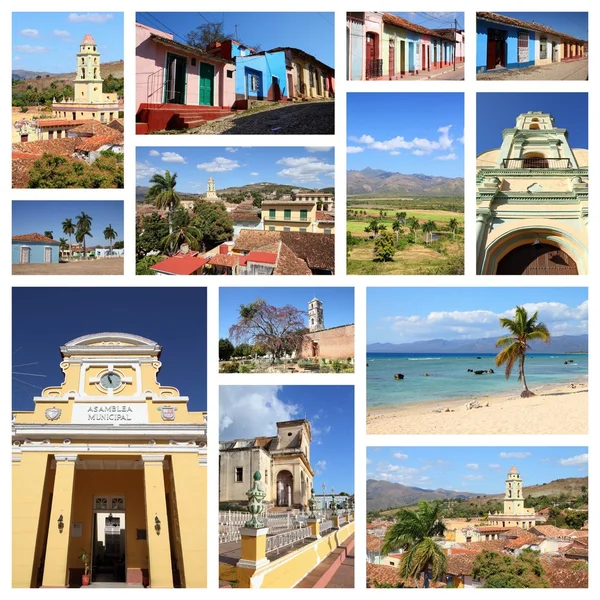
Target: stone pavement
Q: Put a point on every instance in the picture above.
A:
(575, 70)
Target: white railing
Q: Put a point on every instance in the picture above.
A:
(289, 538)
(232, 517)
(325, 525)
(232, 535)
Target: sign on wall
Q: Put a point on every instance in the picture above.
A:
(523, 46)
(109, 413)
(76, 530)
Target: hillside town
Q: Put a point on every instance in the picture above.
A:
(205, 82)
(76, 141)
(512, 546)
(258, 233)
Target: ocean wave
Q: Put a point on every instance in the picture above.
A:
(433, 358)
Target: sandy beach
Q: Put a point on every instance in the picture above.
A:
(561, 409)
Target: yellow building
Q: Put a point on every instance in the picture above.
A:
(296, 215)
(111, 465)
(89, 101)
(515, 514)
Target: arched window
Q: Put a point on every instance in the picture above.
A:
(534, 126)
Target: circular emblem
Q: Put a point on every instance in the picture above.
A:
(53, 413)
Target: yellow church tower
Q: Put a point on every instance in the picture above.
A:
(89, 100)
(109, 474)
(514, 514)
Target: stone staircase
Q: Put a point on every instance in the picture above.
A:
(158, 117)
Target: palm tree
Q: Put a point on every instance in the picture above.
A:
(69, 229)
(401, 216)
(163, 193)
(523, 329)
(49, 234)
(84, 227)
(110, 234)
(397, 227)
(373, 227)
(413, 224)
(184, 233)
(62, 244)
(413, 532)
(453, 226)
(428, 227)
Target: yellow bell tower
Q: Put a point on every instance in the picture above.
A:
(88, 83)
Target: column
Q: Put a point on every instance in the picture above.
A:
(159, 551)
(28, 478)
(315, 528)
(483, 216)
(189, 480)
(57, 548)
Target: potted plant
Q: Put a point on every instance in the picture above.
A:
(84, 558)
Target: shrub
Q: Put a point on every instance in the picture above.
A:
(337, 366)
(230, 367)
(245, 369)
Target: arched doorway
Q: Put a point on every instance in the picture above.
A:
(285, 488)
(537, 259)
(373, 66)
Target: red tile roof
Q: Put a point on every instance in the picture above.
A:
(179, 264)
(551, 531)
(223, 260)
(563, 573)
(460, 564)
(323, 216)
(262, 257)
(92, 127)
(66, 123)
(290, 264)
(34, 237)
(94, 143)
(400, 22)
(88, 40)
(62, 146)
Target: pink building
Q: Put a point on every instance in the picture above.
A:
(179, 86)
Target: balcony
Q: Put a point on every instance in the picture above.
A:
(537, 163)
(374, 68)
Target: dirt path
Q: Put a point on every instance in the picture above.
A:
(101, 266)
(303, 118)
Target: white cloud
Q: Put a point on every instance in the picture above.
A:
(450, 156)
(219, 165)
(400, 456)
(28, 49)
(369, 461)
(473, 466)
(173, 157)
(154, 153)
(472, 477)
(306, 169)
(445, 140)
(231, 149)
(254, 174)
(144, 170)
(394, 153)
(494, 466)
(354, 149)
(30, 33)
(247, 412)
(318, 148)
(62, 33)
(322, 464)
(363, 139)
(574, 461)
(514, 454)
(90, 17)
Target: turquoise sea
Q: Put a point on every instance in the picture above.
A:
(448, 377)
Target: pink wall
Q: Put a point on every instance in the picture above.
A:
(151, 58)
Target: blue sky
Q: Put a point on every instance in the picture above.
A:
(311, 167)
(250, 411)
(477, 469)
(400, 315)
(37, 216)
(311, 32)
(498, 111)
(406, 132)
(338, 303)
(573, 23)
(46, 318)
(49, 41)
(434, 20)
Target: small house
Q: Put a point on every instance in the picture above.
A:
(34, 248)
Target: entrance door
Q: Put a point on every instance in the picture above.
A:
(47, 254)
(108, 551)
(371, 55)
(25, 254)
(254, 84)
(392, 61)
(402, 57)
(175, 79)
(276, 90)
(496, 49)
(537, 259)
(207, 83)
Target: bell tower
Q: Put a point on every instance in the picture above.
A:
(88, 83)
(211, 193)
(513, 495)
(316, 320)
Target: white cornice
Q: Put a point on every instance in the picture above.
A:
(80, 431)
(116, 448)
(112, 399)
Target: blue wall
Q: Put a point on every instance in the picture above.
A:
(357, 43)
(512, 61)
(266, 66)
(36, 252)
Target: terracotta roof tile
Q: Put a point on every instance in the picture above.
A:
(94, 143)
(34, 237)
(551, 531)
(92, 127)
(179, 264)
(262, 257)
(67, 123)
(224, 260)
(460, 564)
(62, 146)
(563, 573)
(323, 216)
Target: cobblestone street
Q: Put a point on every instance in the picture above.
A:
(576, 70)
(301, 118)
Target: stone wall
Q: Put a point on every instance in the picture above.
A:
(336, 342)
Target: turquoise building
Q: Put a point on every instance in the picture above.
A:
(34, 248)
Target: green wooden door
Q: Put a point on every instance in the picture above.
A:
(207, 81)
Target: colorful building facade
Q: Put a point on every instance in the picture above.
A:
(384, 46)
(532, 202)
(109, 474)
(34, 248)
(507, 43)
(296, 215)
